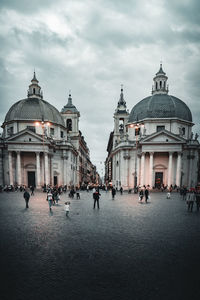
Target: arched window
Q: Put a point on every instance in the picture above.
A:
(69, 125)
(156, 85)
(33, 90)
(160, 84)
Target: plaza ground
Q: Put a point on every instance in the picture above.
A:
(125, 250)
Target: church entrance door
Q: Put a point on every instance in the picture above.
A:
(158, 179)
(31, 178)
(55, 180)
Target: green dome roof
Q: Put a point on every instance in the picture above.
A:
(160, 106)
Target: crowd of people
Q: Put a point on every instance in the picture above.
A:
(190, 196)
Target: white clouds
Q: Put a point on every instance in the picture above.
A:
(92, 47)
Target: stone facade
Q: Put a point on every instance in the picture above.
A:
(39, 145)
(154, 144)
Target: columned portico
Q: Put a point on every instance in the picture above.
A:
(38, 183)
(142, 168)
(151, 169)
(19, 177)
(169, 182)
(178, 169)
(10, 167)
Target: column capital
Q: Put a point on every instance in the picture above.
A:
(151, 153)
(18, 151)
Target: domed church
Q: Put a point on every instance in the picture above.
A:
(153, 145)
(41, 145)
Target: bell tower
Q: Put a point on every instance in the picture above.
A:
(121, 116)
(71, 116)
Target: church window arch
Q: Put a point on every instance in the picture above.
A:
(69, 124)
(33, 90)
(160, 84)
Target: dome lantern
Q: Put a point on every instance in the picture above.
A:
(34, 90)
(160, 82)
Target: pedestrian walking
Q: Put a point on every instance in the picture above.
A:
(32, 190)
(146, 193)
(57, 197)
(198, 201)
(121, 190)
(141, 195)
(184, 193)
(96, 196)
(190, 200)
(113, 192)
(50, 199)
(67, 204)
(77, 194)
(26, 197)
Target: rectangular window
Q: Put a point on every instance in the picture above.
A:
(31, 128)
(137, 131)
(160, 128)
(51, 131)
(10, 131)
(61, 134)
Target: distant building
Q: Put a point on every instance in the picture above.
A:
(40, 145)
(154, 144)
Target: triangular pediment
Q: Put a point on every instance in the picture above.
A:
(163, 136)
(25, 136)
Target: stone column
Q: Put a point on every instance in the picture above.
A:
(191, 158)
(169, 182)
(142, 179)
(10, 167)
(1, 168)
(151, 170)
(19, 176)
(178, 169)
(65, 168)
(46, 168)
(138, 169)
(38, 182)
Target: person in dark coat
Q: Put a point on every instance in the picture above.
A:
(26, 197)
(121, 190)
(113, 192)
(141, 195)
(32, 190)
(146, 193)
(96, 196)
(198, 201)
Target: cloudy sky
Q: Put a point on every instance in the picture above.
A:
(91, 48)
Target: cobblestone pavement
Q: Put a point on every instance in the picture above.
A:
(125, 250)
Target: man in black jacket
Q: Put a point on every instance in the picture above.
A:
(146, 192)
(26, 197)
(96, 196)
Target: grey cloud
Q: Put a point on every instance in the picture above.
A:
(24, 6)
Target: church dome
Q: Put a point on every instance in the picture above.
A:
(160, 104)
(34, 109)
